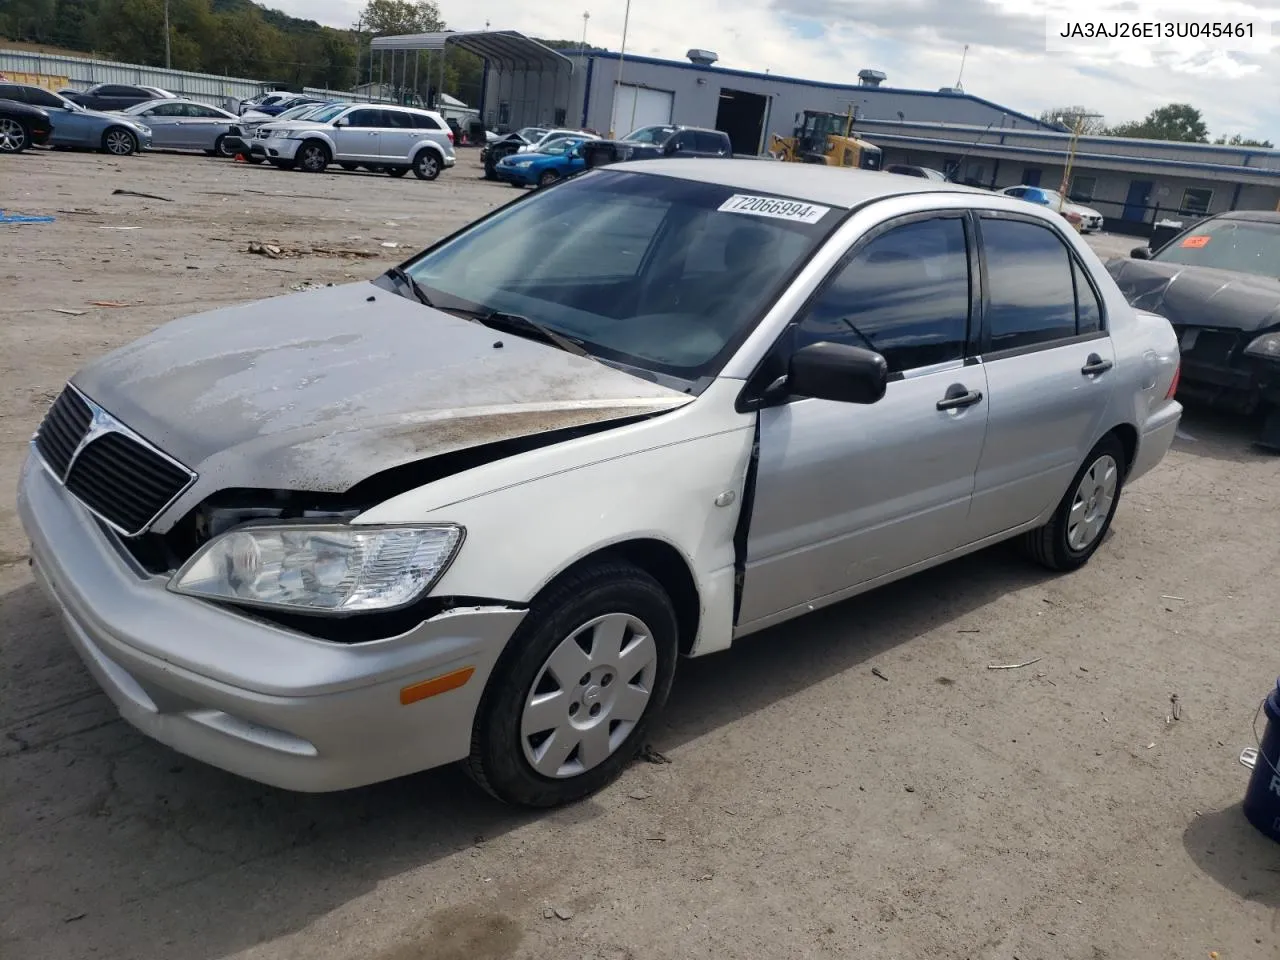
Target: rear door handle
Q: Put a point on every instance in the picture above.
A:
(1095, 365)
(958, 397)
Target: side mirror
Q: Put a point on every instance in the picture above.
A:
(343, 122)
(836, 371)
(1140, 253)
(671, 148)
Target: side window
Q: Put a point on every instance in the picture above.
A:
(905, 294)
(11, 91)
(1016, 191)
(707, 142)
(1088, 306)
(42, 98)
(170, 110)
(1031, 290)
(365, 118)
(111, 90)
(203, 113)
(397, 120)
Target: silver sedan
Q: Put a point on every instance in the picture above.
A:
(185, 125)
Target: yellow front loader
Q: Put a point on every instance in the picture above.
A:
(826, 138)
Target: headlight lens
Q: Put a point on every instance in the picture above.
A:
(1266, 346)
(324, 569)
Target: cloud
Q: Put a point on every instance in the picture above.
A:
(918, 43)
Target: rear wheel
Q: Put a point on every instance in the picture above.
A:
(119, 142)
(1084, 515)
(426, 165)
(13, 136)
(548, 177)
(313, 157)
(568, 705)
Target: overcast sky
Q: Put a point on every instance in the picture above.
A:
(918, 43)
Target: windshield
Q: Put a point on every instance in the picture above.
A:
(655, 273)
(559, 147)
(649, 135)
(531, 134)
(300, 112)
(1245, 246)
(325, 113)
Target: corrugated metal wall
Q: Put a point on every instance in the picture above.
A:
(58, 72)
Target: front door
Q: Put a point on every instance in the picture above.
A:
(1137, 200)
(360, 136)
(847, 493)
(1048, 358)
(166, 121)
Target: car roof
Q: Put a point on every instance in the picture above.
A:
(1257, 216)
(834, 186)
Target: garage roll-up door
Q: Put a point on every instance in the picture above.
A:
(638, 107)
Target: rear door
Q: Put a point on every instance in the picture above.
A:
(1049, 361)
(360, 136)
(847, 493)
(398, 137)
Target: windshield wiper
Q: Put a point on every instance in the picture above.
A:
(399, 273)
(514, 323)
(862, 336)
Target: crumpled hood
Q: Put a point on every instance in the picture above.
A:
(320, 390)
(1199, 296)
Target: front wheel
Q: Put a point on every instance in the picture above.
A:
(13, 136)
(1084, 515)
(313, 157)
(119, 142)
(426, 165)
(220, 147)
(568, 705)
(547, 178)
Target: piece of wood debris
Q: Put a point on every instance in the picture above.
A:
(875, 671)
(1013, 666)
(107, 303)
(69, 313)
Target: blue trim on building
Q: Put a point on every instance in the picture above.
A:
(940, 145)
(775, 78)
(1235, 197)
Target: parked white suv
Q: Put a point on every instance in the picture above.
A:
(375, 136)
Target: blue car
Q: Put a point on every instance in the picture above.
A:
(559, 159)
(74, 126)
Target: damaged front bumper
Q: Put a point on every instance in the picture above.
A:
(261, 701)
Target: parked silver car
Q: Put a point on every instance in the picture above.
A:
(389, 138)
(74, 126)
(478, 509)
(185, 125)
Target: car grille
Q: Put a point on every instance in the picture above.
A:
(114, 473)
(1215, 347)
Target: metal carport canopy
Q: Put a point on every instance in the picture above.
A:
(506, 48)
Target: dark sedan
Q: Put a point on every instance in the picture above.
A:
(1218, 283)
(22, 126)
(116, 96)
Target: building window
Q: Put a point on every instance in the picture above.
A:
(1195, 201)
(1082, 188)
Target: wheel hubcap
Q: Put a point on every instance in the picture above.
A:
(589, 696)
(12, 136)
(312, 159)
(428, 165)
(118, 142)
(1092, 503)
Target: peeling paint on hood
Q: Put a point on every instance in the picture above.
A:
(319, 390)
(1199, 296)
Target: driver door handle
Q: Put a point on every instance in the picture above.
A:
(958, 397)
(1095, 365)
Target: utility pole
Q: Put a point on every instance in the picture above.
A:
(963, 57)
(622, 57)
(583, 52)
(1077, 129)
(168, 53)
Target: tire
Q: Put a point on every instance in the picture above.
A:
(397, 171)
(14, 136)
(220, 147)
(312, 157)
(426, 165)
(1060, 545)
(490, 172)
(350, 167)
(505, 743)
(284, 164)
(547, 178)
(254, 159)
(119, 142)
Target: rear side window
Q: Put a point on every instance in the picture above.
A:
(905, 295)
(41, 98)
(11, 91)
(424, 121)
(1031, 289)
(117, 91)
(398, 120)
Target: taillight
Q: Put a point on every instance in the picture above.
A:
(450, 134)
(1173, 387)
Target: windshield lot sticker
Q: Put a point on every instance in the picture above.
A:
(1195, 243)
(775, 208)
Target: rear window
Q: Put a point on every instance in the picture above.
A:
(657, 273)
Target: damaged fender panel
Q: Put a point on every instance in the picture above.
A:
(1199, 296)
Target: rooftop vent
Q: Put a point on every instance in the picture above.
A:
(871, 78)
(704, 58)
(951, 89)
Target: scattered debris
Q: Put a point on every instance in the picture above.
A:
(119, 228)
(945, 682)
(657, 839)
(391, 245)
(564, 913)
(20, 218)
(1013, 666)
(1104, 719)
(1084, 669)
(277, 252)
(705, 877)
(650, 755)
(640, 794)
(1175, 712)
(1173, 598)
(910, 789)
(392, 223)
(969, 631)
(135, 193)
(266, 250)
(548, 913)
(1151, 744)
(69, 313)
(1249, 757)
(74, 917)
(107, 303)
(875, 672)
(306, 285)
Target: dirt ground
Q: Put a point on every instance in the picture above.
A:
(810, 808)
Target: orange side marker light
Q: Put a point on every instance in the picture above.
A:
(436, 685)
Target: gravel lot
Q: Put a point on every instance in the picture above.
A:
(810, 809)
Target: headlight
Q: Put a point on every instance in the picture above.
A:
(522, 163)
(144, 130)
(324, 569)
(279, 134)
(1266, 346)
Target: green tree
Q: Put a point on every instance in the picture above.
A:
(1090, 121)
(1177, 121)
(1239, 141)
(390, 17)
